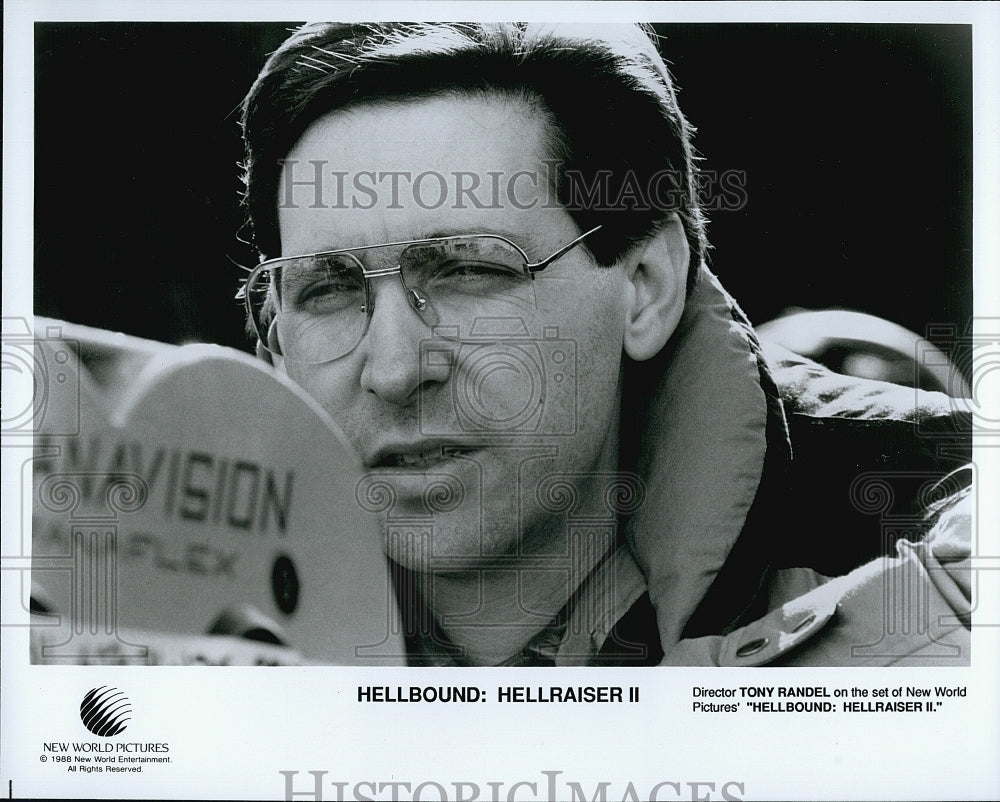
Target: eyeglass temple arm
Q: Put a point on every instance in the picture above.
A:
(539, 266)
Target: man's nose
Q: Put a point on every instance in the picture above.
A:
(392, 346)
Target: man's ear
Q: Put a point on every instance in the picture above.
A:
(656, 288)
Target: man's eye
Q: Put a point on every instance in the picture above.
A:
(322, 298)
(332, 292)
(476, 271)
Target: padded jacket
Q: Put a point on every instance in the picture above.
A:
(792, 516)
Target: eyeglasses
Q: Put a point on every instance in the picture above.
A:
(318, 306)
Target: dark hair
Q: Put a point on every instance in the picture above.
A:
(607, 94)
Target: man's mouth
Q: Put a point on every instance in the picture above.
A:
(416, 458)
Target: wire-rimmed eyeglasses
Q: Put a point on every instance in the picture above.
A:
(316, 307)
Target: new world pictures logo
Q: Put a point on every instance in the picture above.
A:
(105, 711)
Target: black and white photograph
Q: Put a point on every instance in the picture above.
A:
(653, 342)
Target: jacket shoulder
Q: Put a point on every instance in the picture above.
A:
(866, 617)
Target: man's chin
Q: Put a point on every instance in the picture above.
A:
(440, 547)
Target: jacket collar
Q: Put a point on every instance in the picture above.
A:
(695, 420)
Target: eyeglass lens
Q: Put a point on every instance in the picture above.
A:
(319, 303)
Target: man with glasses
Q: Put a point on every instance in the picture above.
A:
(482, 253)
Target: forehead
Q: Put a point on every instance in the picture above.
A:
(407, 168)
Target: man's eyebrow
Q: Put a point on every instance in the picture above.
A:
(526, 240)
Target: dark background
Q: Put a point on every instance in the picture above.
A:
(855, 141)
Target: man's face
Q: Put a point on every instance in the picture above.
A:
(471, 438)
